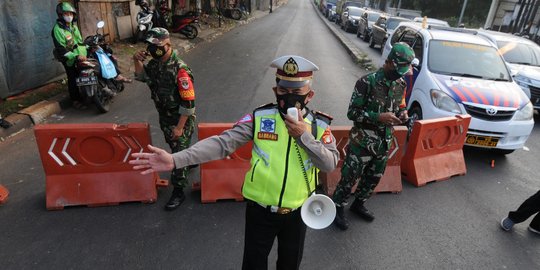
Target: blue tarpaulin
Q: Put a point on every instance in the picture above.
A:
(26, 45)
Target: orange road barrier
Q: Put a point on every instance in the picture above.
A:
(391, 180)
(4, 194)
(223, 179)
(435, 150)
(87, 164)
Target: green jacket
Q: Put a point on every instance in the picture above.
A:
(68, 43)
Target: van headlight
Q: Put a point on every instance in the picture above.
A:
(525, 114)
(444, 102)
(522, 81)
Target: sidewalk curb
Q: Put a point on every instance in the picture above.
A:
(38, 112)
(357, 55)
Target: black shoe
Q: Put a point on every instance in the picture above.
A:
(358, 208)
(177, 198)
(341, 220)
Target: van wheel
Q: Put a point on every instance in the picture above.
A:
(415, 113)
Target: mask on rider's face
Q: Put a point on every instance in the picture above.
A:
(68, 18)
(156, 51)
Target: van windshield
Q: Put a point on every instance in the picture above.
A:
(519, 53)
(466, 60)
(355, 12)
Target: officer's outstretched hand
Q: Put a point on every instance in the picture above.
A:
(157, 161)
(295, 127)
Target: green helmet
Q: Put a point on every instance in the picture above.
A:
(401, 55)
(64, 7)
(157, 35)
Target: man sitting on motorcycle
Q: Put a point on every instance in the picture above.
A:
(69, 48)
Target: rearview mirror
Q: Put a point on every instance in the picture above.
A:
(100, 24)
(415, 62)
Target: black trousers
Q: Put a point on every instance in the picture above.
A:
(528, 208)
(72, 74)
(262, 227)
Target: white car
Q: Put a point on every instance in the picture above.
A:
(523, 57)
(461, 72)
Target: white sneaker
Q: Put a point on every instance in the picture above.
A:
(533, 230)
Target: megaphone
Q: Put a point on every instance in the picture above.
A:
(318, 211)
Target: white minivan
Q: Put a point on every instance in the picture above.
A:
(463, 73)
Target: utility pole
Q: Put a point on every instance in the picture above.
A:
(462, 11)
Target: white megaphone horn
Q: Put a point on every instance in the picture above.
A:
(318, 211)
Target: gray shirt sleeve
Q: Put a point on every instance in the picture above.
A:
(325, 156)
(215, 147)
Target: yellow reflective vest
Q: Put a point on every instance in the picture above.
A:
(276, 176)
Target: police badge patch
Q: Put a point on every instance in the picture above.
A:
(268, 129)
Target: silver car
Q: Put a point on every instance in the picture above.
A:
(523, 58)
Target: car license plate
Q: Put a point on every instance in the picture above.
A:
(482, 140)
(86, 80)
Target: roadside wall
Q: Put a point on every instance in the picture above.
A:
(26, 59)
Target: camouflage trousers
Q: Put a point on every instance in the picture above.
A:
(167, 124)
(363, 166)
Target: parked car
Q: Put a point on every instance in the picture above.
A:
(366, 23)
(342, 5)
(432, 21)
(328, 5)
(332, 15)
(383, 28)
(523, 57)
(460, 72)
(350, 17)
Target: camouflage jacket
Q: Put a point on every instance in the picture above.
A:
(374, 94)
(163, 81)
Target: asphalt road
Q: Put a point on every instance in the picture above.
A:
(451, 224)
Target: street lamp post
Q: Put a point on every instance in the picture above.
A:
(462, 11)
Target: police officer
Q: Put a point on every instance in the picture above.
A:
(287, 154)
(377, 103)
(171, 85)
(69, 47)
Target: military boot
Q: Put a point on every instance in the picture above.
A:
(341, 220)
(358, 208)
(177, 198)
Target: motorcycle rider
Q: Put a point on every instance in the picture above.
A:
(68, 47)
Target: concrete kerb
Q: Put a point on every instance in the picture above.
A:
(357, 55)
(36, 113)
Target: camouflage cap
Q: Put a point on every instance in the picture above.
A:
(401, 55)
(157, 36)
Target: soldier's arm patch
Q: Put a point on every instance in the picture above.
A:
(246, 119)
(185, 85)
(327, 136)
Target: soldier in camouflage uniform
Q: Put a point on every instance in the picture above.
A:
(377, 103)
(171, 85)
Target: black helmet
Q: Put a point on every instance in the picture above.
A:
(64, 7)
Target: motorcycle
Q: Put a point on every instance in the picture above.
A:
(186, 24)
(145, 20)
(96, 80)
